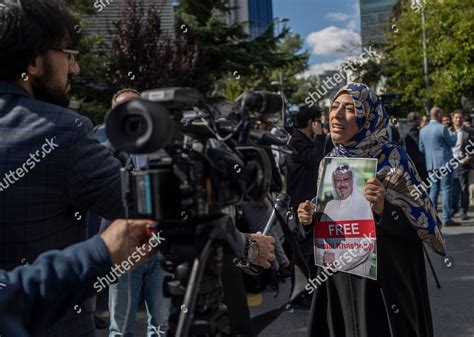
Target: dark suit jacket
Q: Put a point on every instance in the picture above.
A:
(409, 139)
(467, 148)
(303, 166)
(42, 206)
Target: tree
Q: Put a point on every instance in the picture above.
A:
(287, 78)
(449, 26)
(197, 56)
(90, 87)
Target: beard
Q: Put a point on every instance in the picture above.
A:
(343, 194)
(47, 89)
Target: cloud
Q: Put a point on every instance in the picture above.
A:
(337, 16)
(318, 69)
(332, 40)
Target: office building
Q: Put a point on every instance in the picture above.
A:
(374, 19)
(110, 11)
(258, 14)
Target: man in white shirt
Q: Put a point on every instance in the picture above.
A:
(461, 174)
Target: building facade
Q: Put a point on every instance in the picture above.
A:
(111, 11)
(374, 18)
(258, 14)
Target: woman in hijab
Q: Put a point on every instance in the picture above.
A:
(397, 304)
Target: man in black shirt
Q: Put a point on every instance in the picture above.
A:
(308, 141)
(410, 139)
(302, 167)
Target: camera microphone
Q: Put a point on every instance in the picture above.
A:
(281, 205)
(266, 138)
(263, 102)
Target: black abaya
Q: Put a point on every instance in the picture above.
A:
(396, 305)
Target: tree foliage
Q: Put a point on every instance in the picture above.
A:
(91, 87)
(204, 49)
(204, 52)
(449, 26)
(285, 78)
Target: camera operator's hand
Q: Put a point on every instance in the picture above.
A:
(305, 212)
(121, 242)
(266, 246)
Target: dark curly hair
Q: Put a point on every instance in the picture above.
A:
(29, 28)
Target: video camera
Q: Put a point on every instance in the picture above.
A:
(207, 161)
(200, 160)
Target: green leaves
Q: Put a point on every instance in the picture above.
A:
(449, 26)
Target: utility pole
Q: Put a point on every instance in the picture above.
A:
(425, 56)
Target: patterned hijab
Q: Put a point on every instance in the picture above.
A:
(395, 169)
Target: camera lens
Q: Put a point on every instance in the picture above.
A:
(139, 126)
(135, 126)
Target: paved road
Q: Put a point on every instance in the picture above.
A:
(452, 305)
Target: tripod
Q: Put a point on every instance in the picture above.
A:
(196, 258)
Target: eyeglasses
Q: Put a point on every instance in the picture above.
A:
(71, 55)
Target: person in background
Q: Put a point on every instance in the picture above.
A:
(467, 120)
(461, 180)
(446, 121)
(119, 97)
(308, 140)
(302, 173)
(410, 139)
(436, 142)
(424, 121)
(328, 142)
(146, 280)
(393, 134)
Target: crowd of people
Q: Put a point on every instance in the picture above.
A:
(51, 207)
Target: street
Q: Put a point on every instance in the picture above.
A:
(451, 305)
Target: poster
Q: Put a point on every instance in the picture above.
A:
(344, 227)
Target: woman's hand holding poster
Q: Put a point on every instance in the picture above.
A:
(344, 233)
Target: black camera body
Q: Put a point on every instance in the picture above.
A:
(188, 185)
(198, 162)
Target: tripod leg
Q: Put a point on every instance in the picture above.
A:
(235, 298)
(187, 309)
(432, 269)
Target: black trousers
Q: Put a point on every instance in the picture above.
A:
(464, 186)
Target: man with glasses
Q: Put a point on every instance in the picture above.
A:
(44, 206)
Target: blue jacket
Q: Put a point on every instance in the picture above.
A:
(436, 142)
(36, 296)
(52, 170)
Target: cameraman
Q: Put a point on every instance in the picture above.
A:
(34, 297)
(149, 277)
(52, 168)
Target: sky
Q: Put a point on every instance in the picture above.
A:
(325, 26)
